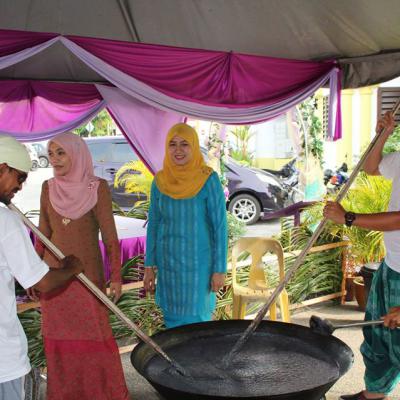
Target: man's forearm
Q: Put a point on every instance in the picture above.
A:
(371, 164)
(70, 266)
(386, 221)
(54, 279)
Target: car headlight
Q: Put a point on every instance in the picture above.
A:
(268, 179)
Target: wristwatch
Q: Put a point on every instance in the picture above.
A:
(349, 218)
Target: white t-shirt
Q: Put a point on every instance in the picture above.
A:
(389, 167)
(18, 260)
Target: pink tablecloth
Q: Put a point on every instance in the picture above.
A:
(130, 247)
(132, 239)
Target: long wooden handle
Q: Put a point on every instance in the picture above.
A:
(299, 260)
(356, 324)
(96, 291)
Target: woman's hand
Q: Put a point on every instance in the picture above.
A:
(33, 294)
(217, 281)
(392, 319)
(149, 280)
(335, 212)
(115, 291)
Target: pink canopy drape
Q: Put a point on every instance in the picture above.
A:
(168, 82)
(43, 109)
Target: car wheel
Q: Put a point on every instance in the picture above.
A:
(34, 165)
(43, 162)
(245, 208)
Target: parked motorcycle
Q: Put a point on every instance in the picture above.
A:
(289, 178)
(286, 171)
(333, 180)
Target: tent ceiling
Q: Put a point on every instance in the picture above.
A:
(297, 29)
(55, 63)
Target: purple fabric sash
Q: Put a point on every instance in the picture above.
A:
(208, 77)
(171, 83)
(145, 127)
(227, 113)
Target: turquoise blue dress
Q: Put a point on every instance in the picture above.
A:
(187, 240)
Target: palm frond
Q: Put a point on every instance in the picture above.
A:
(371, 194)
(134, 177)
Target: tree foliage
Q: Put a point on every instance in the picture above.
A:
(103, 125)
(393, 143)
(312, 128)
(241, 151)
(135, 177)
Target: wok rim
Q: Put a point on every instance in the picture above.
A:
(207, 326)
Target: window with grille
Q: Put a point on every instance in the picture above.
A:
(387, 98)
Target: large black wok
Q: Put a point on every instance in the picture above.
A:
(280, 361)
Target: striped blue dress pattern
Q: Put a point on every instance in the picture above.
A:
(187, 241)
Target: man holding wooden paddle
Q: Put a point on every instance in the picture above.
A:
(18, 260)
(381, 346)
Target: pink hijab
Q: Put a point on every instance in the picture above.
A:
(74, 194)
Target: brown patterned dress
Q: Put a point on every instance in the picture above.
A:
(82, 357)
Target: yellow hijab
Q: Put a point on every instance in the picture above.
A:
(183, 181)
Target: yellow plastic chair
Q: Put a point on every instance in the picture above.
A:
(257, 289)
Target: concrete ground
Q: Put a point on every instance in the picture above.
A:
(352, 382)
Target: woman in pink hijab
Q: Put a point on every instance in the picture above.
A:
(83, 361)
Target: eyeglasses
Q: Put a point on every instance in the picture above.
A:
(21, 176)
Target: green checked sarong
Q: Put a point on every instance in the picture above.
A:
(381, 346)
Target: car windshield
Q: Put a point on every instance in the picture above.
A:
(99, 151)
(119, 152)
(123, 152)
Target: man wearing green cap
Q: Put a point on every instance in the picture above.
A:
(18, 260)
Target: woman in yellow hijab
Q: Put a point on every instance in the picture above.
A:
(187, 232)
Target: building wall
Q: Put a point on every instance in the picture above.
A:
(358, 118)
(359, 115)
(367, 116)
(344, 152)
(272, 144)
(358, 122)
(273, 141)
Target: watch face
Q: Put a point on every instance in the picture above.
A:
(349, 217)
